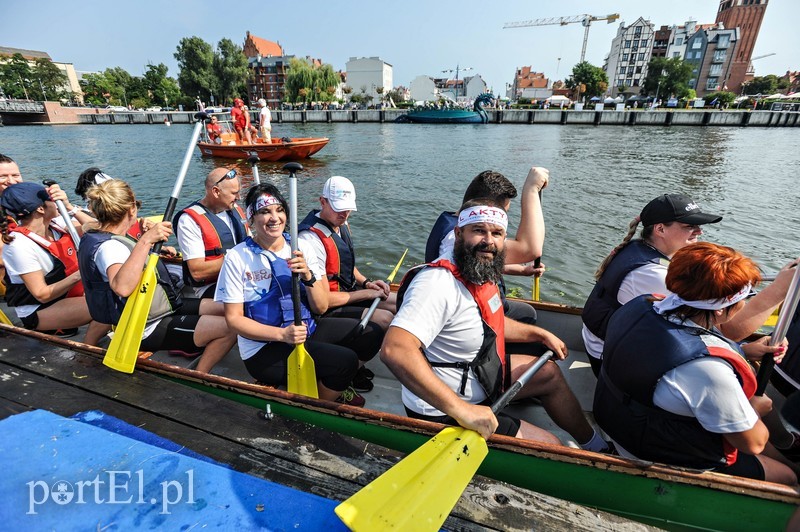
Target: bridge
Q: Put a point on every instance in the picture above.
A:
(21, 106)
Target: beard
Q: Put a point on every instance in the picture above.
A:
(475, 269)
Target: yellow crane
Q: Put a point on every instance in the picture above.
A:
(586, 20)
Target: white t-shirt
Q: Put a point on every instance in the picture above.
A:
(647, 279)
(190, 241)
(443, 315)
(22, 256)
(112, 252)
(246, 275)
(264, 117)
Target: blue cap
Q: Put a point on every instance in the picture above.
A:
(21, 199)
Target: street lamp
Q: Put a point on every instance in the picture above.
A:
(21, 84)
(44, 94)
(658, 88)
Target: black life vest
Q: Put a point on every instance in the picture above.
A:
(640, 347)
(340, 258)
(445, 223)
(104, 305)
(602, 301)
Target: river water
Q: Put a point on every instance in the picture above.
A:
(406, 174)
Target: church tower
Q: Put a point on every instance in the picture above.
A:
(747, 16)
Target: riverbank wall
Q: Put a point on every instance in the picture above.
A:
(55, 114)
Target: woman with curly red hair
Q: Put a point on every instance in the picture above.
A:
(673, 389)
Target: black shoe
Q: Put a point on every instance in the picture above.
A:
(610, 450)
(366, 372)
(793, 451)
(361, 382)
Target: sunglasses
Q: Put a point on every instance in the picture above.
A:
(230, 175)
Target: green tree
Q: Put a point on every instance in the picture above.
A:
(97, 88)
(300, 76)
(196, 68)
(230, 70)
(163, 90)
(673, 74)
(15, 77)
(723, 98)
(765, 85)
(50, 80)
(589, 79)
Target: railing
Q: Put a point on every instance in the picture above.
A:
(20, 106)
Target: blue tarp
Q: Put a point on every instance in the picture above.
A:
(64, 474)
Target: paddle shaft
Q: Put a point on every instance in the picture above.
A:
(293, 234)
(779, 333)
(536, 264)
(253, 160)
(363, 323)
(512, 392)
(176, 190)
(62, 210)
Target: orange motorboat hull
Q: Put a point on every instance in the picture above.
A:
(277, 150)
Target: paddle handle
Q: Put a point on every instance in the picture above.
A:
(176, 190)
(253, 160)
(512, 392)
(62, 210)
(779, 333)
(363, 323)
(293, 237)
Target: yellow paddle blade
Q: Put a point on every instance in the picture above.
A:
(4, 318)
(156, 218)
(301, 374)
(124, 347)
(536, 289)
(420, 491)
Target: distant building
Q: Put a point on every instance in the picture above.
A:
(661, 40)
(423, 89)
(529, 84)
(475, 86)
(268, 64)
(794, 81)
(711, 53)
(366, 74)
(631, 49)
(72, 87)
(747, 16)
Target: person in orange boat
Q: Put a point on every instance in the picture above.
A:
(239, 119)
(214, 130)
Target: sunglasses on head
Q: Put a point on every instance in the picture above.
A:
(230, 175)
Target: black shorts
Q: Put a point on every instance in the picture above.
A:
(746, 465)
(507, 425)
(31, 321)
(176, 331)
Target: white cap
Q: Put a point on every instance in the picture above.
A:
(340, 193)
(262, 102)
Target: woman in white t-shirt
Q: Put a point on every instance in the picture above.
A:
(44, 284)
(112, 263)
(255, 284)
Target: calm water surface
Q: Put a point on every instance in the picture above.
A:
(406, 174)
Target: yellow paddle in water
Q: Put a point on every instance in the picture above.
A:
(301, 375)
(124, 347)
(420, 491)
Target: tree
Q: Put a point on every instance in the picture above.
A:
(588, 80)
(97, 88)
(15, 77)
(319, 82)
(766, 85)
(230, 70)
(673, 75)
(196, 68)
(721, 98)
(50, 80)
(162, 89)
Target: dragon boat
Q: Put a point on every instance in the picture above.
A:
(478, 114)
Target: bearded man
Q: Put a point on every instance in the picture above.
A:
(446, 343)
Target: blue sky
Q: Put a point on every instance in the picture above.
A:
(417, 38)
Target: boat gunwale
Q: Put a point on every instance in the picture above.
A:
(709, 480)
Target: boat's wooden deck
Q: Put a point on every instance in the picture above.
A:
(40, 375)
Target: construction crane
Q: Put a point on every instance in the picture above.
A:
(586, 20)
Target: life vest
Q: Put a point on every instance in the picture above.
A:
(65, 263)
(490, 363)
(239, 120)
(105, 306)
(340, 261)
(640, 347)
(275, 307)
(602, 301)
(217, 236)
(445, 223)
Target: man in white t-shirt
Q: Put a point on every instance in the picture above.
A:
(452, 312)
(209, 227)
(265, 121)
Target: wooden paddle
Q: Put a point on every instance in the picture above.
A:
(420, 491)
(779, 333)
(253, 160)
(363, 323)
(301, 375)
(124, 348)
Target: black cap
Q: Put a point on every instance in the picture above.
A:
(675, 208)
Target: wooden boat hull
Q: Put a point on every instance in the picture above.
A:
(278, 150)
(650, 493)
